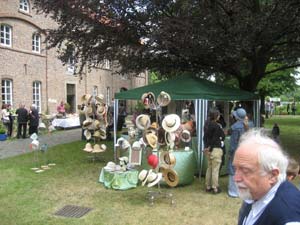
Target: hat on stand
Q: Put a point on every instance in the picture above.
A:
(185, 136)
(163, 99)
(171, 177)
(87, 123)
(87, 134)
(100, 98)
(110, 166)
(171, 122)
(97, 149)
(152, 140)
(148, 99)
(168, 159)
(88, 147)
(143, 122)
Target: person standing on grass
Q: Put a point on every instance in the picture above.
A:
(22, 121)
(33, 119)
(236, 131)
(260, 175)
(293, 108)
(213, 138)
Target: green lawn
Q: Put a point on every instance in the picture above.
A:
(27, 198)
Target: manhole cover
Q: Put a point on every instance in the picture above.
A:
(72, 211)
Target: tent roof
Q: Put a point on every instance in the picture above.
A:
(188, 88)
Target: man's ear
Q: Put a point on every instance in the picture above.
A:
(274, 176)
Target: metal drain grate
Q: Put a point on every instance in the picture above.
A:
(72, 211)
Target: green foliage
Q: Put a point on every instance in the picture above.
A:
(235, 39)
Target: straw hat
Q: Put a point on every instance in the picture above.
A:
(148, 99)
(143, 175)
(163, 99)
(87, 134)
(87, 123)
(171, 123)
(168, 159)
(88, 147)
(143, 122)
(86, 98)
(88, 110)
(171, 177)
(152, 140)
(102, 133)
(101, 110)
(100, 98)
(103, 147)
(97, 149)
(185, 136)
(153, 178)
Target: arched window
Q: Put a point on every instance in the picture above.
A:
(5, 35)
(36, 43)
(24, 5)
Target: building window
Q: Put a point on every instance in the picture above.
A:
(108, 96)
(36, 43)
(24, 6)
(106, 64)
(6, 91)
(36, 94)
(5, 37)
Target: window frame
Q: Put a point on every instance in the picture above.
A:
(36, 42)
(7, 91)
(24, 6)
(37, 94)
(4, 33)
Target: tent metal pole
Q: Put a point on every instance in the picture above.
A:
(116, 112)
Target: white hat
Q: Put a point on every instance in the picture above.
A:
(163, 99)
(122, 143)
(143, 122)
(110, 166)
(153, 178)
(100, 98)
(148, 99)
(87, 134)
(136, 145)
(152, 140)
(87, 123)
(97, 149)
(171, 123)
(143, 175)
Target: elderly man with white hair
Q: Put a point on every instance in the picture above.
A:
(33, 119)
(260, 175)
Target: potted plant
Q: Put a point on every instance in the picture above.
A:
(3, 135)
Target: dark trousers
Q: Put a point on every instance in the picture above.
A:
(33, 129)
(22, 127)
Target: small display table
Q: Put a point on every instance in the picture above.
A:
(119, 180)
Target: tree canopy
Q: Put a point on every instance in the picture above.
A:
(228, 38)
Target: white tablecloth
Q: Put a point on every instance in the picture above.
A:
(66, 122)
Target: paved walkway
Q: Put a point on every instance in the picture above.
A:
(10, 148)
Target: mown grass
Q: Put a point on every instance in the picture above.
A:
(28, 198)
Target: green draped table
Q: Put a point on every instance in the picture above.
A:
(119, 180)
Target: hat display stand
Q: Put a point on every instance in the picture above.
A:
(95, 123)
(155, 194)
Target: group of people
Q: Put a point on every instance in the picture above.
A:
(259, 171)
(24, 118)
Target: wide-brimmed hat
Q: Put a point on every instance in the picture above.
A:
(101, 110)
(124, 160)
(153, 178)
(86, 98)
(170, 177)
(168, 159)
(143, 175)
(87, 123)
(110, 166)
(87, 134)
(100, 98)
(170, 138)
(185, 136)
(88, 147)
(152, 140)
(143, 122)
(239, 114)
(148, 99)
(136, 145)
(171, 123)
(163, 99)
(123, 143)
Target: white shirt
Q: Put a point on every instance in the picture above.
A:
(259, 206)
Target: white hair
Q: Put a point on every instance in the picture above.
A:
(270, 154)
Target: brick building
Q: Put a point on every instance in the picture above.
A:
(32, 74)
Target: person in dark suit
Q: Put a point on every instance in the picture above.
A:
(33, 119)
(260, 176)
(22, 121)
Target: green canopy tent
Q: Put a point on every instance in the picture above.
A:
(191, 88)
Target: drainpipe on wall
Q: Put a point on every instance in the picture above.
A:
(46, 73)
